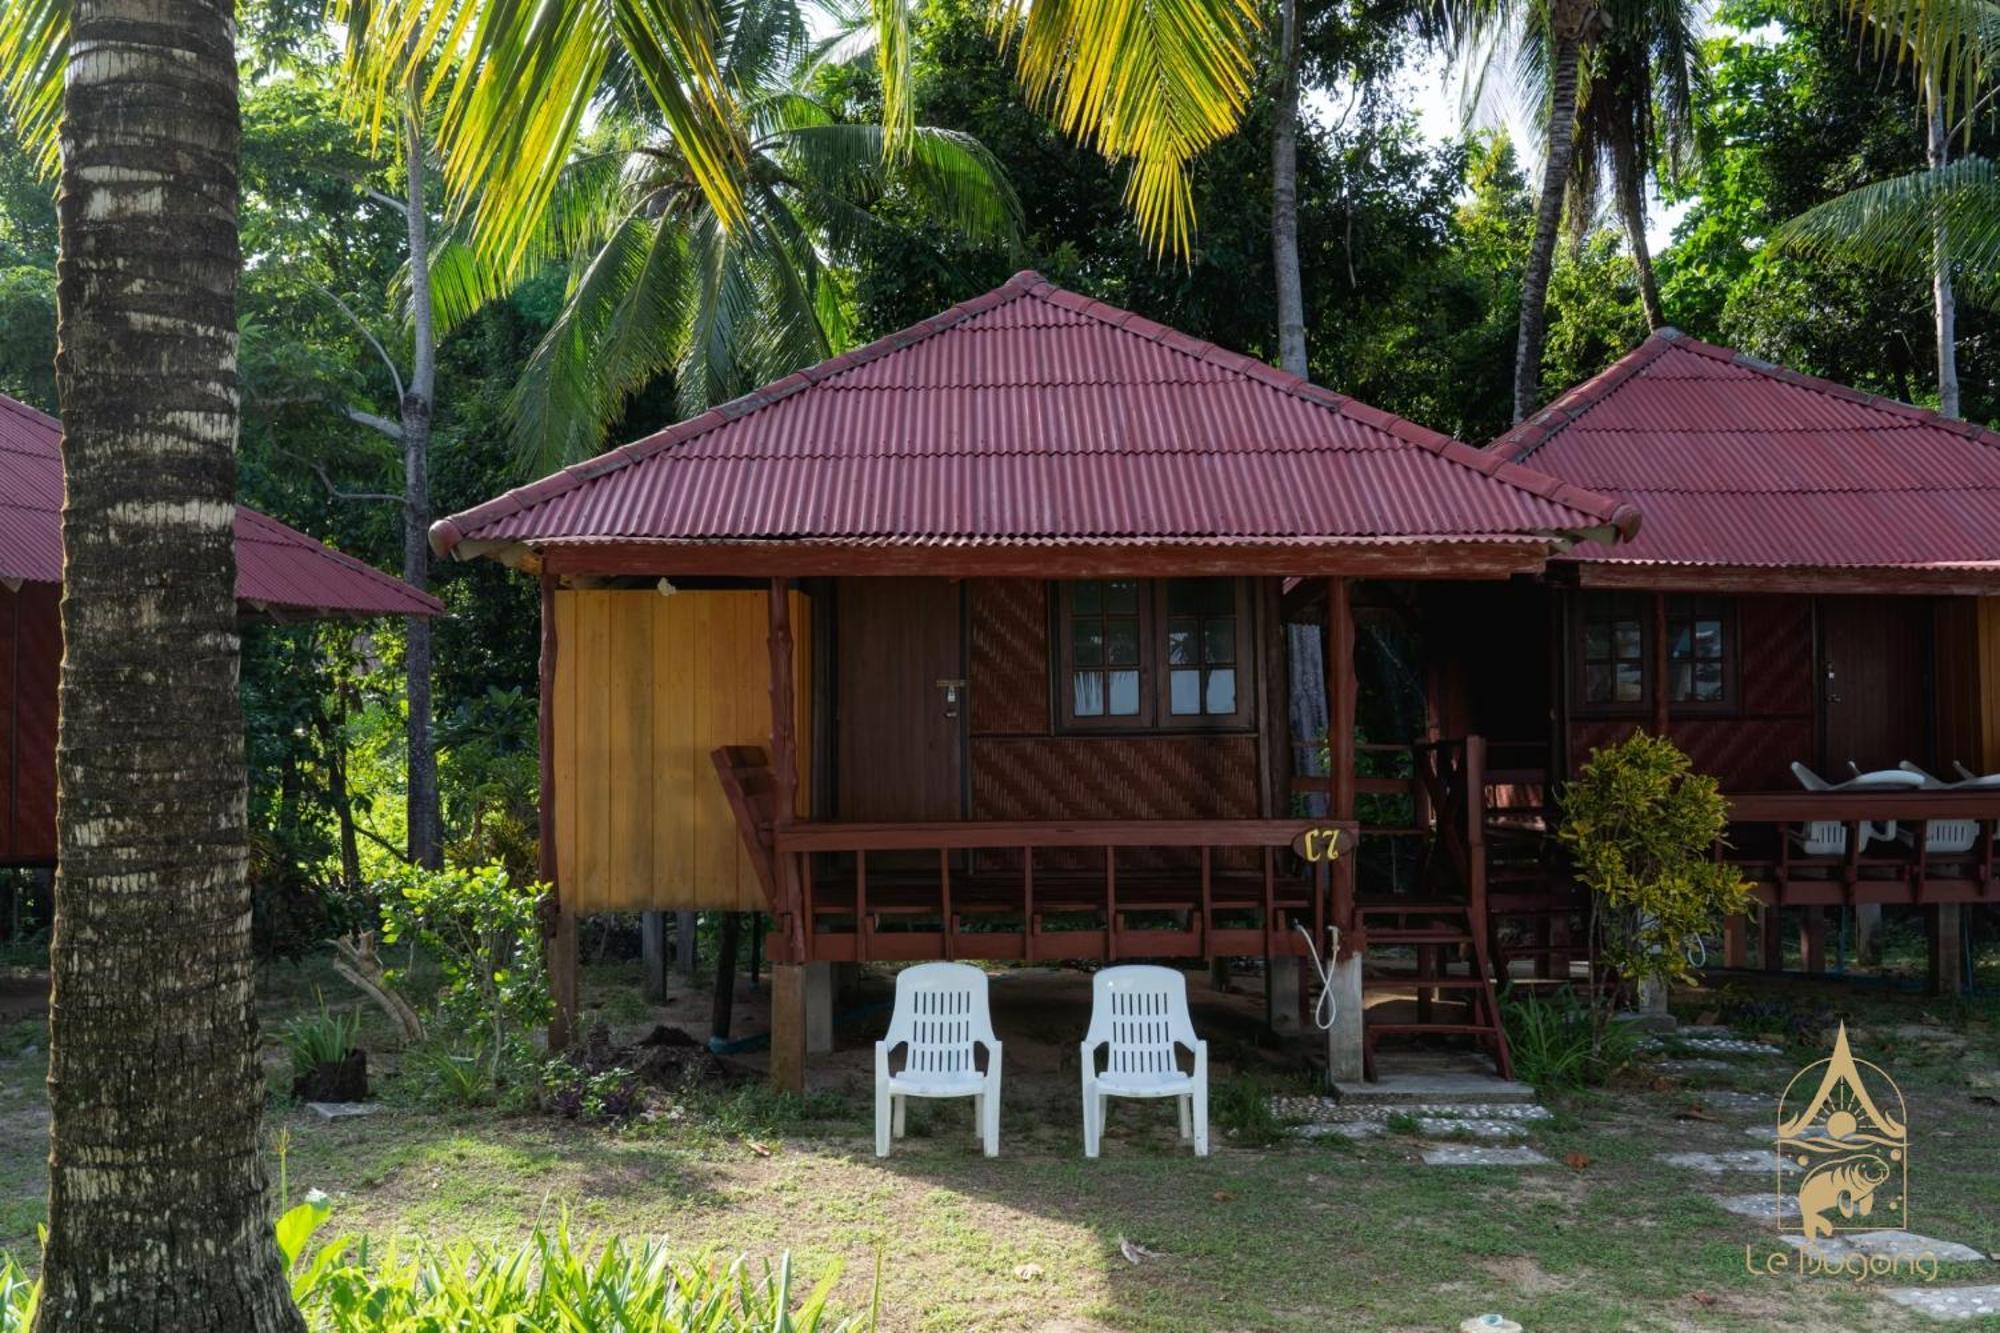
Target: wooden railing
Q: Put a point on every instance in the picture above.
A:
(1907, 870)
(977, 879)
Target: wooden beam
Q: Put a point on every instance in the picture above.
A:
(559, 928)
(1342, 692)
(1139, 559)
(1659, 665)
(1642, 575)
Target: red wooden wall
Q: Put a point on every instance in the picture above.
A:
(30, 660)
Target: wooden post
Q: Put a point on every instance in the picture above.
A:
(560, 925)
(1344, 1040)
(687, 939)
(653, 954)
(1812, 939)
(722, 1013)
(788, 991)
(1659, 666)
(1947, 948)
(1735, 942)
(1771, 937)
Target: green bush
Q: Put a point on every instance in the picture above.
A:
(324, 1038)
(1556, 1046)
(1641, 828)
(546, 1283)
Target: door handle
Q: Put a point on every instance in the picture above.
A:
(953, 690)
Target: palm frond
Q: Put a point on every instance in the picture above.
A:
(1152, 82)
(951, 176)
(1953, 41)
(1892, 226)
(34, 52)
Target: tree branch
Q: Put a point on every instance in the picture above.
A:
(334, 492)
(365, 332)
(381, 425)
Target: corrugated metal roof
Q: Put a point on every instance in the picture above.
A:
(1739, 463)
(276, 566)
(1034, 415)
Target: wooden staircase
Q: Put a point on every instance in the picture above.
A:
(1446, 935)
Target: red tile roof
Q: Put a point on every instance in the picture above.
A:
(276, 566)
(1032, 415)
(1739, 463)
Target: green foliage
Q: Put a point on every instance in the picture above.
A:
(1557, 1047)
(546, 1283)
(583, 1094)
(1241, 1107)
(1640, 826)
(483, 928)
(325, 1037)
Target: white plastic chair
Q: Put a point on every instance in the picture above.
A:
(1141, 1014)
(1828, 837)
(941, 1014)
(1950, 837)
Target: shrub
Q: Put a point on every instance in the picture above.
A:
(1556, 1046)
(484, 931)
(579, 1094)
(324, 1038)
(1641, 826)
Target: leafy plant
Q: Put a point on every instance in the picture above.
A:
(1556, 1046)
(581, 1094)
(1641, 827)
(484, 931)
(327, 1037)
(1242, 1107)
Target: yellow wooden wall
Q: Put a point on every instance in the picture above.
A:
(646, 686)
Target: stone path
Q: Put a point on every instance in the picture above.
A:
(1695, 1064)
(1887, 1245)
(1764, 1207)
(1721, 1163)
(1467, 1155)
(1948, 1302)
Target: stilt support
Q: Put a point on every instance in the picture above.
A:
(1947, 932)
(1281, 993)
(788, 1027)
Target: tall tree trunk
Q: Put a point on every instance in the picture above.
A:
(157, 1205)
(1632, 210)
(1285, 196)
(426, 825)
(1548, 217)
(1944, 302)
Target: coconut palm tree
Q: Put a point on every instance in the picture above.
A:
(1636, 108)
(157, 1202)
(660, 282)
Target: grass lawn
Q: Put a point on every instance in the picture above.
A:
(1319, 1234)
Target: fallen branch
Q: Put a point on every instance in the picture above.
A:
(359, 964)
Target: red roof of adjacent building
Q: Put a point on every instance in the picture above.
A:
(1033, 415)
(1740, 463)
(276, 566)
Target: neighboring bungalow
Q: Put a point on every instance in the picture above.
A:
(1814, 582)
(968, 644)
(280, 572)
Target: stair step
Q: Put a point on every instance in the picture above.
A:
(1446, 1029)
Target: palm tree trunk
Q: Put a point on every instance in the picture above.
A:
(1548, 217)
(426, 827)
(1285, 196)
(157, 1203)
(1632, 210)
(1944, 302)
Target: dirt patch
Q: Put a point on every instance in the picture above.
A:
(666, 1057)
(1522, 1274)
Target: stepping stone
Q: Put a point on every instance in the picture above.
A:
(1351, 1129)
(1326, 1110)
(1769, 1133)
(1888, 1245)
(1763, 1207)
(1723, 1046)
(1924, 1033)
(1696, 1065)
(343, 1110)
(1443, 1127)
(1466, 1155)
(1728, 1099)
(1406, 1090)
(1948, 1302)
(1697, 1031)
(1717, 1163)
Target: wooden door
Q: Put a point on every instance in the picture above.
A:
(1874, 681)
(900, 701)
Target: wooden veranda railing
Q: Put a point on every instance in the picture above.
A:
(1914, 868)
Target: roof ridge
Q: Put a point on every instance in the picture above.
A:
(1519, 442)
(291, 536)
(447, 532)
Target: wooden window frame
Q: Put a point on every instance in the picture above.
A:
(1155, 716)
(1579, 621)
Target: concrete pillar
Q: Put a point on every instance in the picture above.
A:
(686, 934)
(653, 954)
(1343, 1039)
(1281, 993)
(819, 998)
(1947, 923)
(1868, 933)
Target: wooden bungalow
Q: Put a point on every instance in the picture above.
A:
(1815, 582)
(968, 644)
(280, 572)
